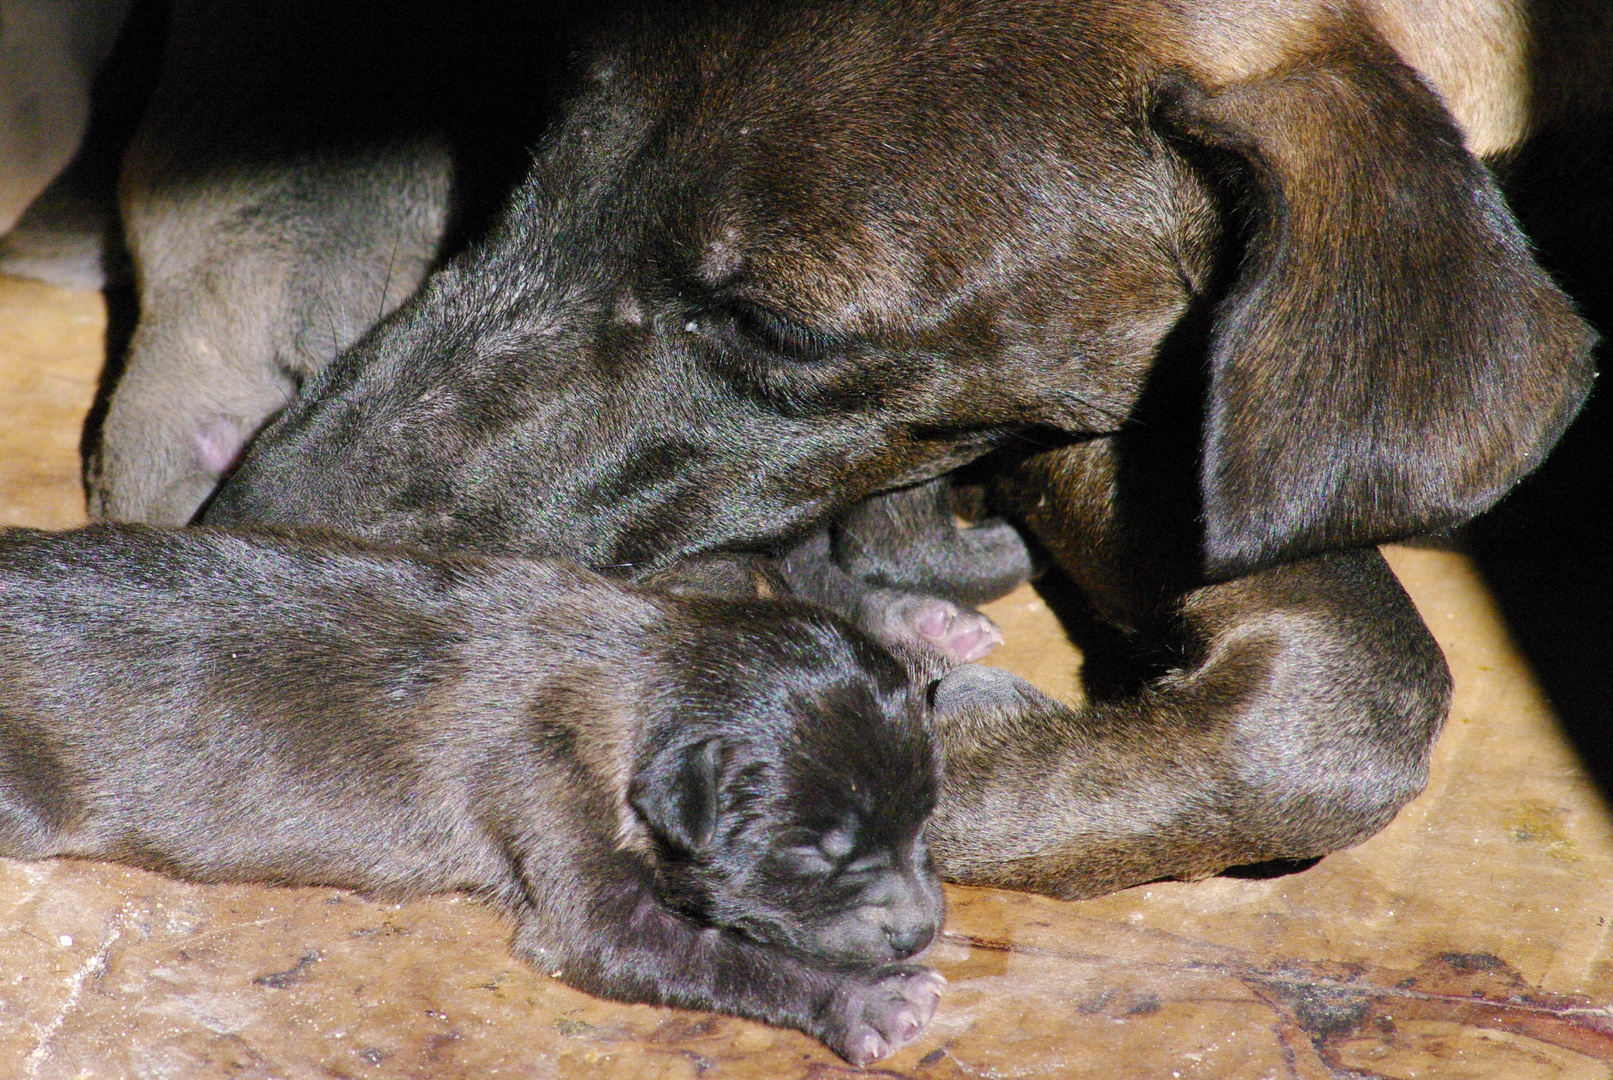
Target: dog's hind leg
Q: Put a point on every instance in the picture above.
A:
(273, 213)
(1299, 720)
(36, 800)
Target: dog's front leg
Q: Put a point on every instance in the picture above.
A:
(628, 945)
(1299, 720)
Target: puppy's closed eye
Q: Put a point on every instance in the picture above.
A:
(826, 856)
(809, 861)
(838, 843)
(869, 864)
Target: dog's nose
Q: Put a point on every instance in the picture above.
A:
(905, 943)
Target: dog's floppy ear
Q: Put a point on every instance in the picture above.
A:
(677, 794)
(1389, 358)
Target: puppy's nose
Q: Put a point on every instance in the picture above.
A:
(905, 943)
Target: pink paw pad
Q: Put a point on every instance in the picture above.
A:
(962, 635)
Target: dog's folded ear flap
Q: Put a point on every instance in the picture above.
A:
(1389, 359)
(677, 794)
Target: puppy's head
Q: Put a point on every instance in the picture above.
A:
(786, 783)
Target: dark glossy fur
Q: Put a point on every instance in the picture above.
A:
(708, 803)
(782, 343)
(1296, 717)
(1299, 722)
(774, 259)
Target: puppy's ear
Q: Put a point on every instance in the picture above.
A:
(1389, 359)
(677, 795)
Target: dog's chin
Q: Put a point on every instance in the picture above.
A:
(857, 938)
(848, 940)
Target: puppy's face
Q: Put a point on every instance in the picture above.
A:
(791, 800)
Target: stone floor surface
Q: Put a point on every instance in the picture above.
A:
(1470, 939)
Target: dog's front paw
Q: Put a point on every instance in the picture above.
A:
(876, 1014)
(959, 634)
(977, 691)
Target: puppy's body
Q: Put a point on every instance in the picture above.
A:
(699, 802)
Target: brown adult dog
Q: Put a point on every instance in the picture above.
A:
(777, 258)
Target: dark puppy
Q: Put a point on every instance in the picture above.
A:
(706, 803)
(776, 258)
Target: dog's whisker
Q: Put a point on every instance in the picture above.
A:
(386, 285)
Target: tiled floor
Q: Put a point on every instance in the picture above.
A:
(1470, 939)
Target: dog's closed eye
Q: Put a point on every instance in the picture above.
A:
(828, 854)
(797, 369)
(747, 327)
(765, 328)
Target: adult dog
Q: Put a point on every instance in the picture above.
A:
(1239, 276)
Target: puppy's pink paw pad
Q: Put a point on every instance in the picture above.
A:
(888, 1012)
(960, 634)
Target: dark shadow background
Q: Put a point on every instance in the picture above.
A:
(1547, 550)
(319, 79)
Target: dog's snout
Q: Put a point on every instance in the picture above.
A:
(911, 912)
(907, 942)
(897, 918)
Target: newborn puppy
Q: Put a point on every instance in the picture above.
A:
(702, 802)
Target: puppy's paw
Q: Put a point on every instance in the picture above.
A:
(995, 561)
(957, 633)
(876, 1014)
(974, 690)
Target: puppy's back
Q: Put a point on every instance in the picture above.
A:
(317, 711)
